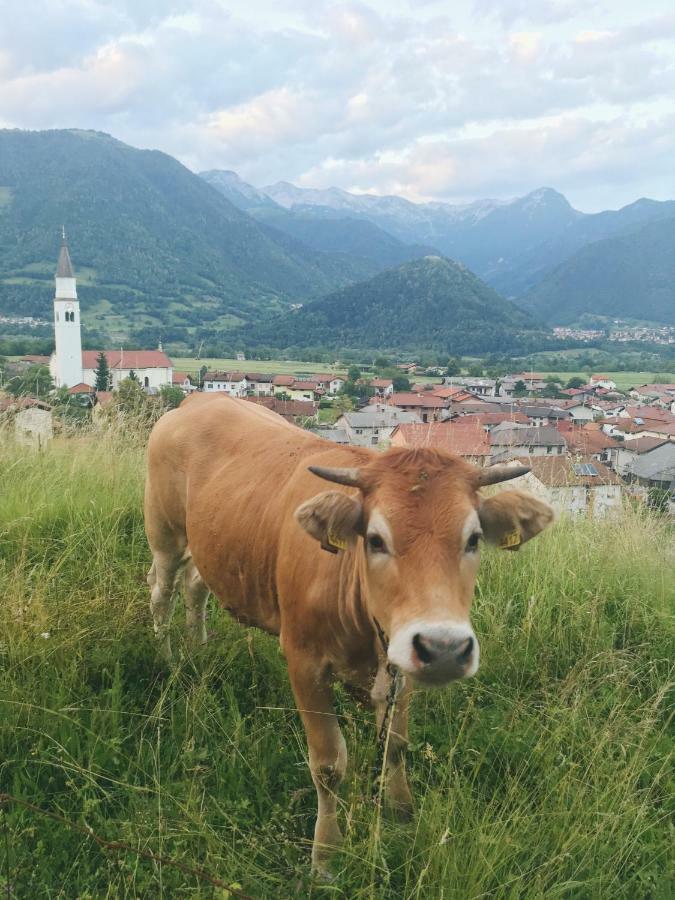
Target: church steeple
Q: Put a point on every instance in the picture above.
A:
(64, 267)
(66, 363)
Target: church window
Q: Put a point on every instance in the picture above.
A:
(146, 381)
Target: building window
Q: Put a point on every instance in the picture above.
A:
(146, 381)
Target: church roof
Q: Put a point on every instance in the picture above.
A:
(128, 359)
(64, 267)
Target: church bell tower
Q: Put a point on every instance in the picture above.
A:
(68, 355)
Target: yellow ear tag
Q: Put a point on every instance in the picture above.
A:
(510, 540)
(337, 542)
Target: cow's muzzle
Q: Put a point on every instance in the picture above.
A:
(434, 653)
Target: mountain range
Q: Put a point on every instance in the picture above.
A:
(515, 246)
(163, 252)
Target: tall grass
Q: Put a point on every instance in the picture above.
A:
(545, 776)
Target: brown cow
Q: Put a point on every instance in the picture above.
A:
(232, 495)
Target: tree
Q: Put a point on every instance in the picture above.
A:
(171, 396)
(36, 381)
(475, 371)
(401, 383)
(132, 376)
(520, 389)
(575, 382)
(102, 373)
(353, 373)
(381, 362)
(454, 366)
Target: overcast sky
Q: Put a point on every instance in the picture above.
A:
(451, 100)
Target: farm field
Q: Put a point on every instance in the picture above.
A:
(274, 366)
(624, 380)
(547, 775)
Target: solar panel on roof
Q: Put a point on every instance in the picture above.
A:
(583, 469)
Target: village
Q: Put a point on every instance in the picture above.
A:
(590, 448)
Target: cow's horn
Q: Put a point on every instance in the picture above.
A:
(338, 475)
(495, 474)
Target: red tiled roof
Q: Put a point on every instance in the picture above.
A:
(644, 444)
(81, 388)
(304, 386)
(178, 377)
(588, 440)
(407, 398)
(283, 380)
(381, 382)
(127, 359)
(36, 359)
(464, 440)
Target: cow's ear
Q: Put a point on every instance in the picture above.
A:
(512, 517)
(335, 519)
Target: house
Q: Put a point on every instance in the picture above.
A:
(303, 390)
(543, 415)
(489, 421)
(258, 384)
(647, 460)
(299, 412)
(533, 381)
(479, 387)
(428, 407)
(383, 387)
(329, 383)
(575, 486)
(579, 411)
(625, 453)
(182, 381)
(514, 440)
(455, 394)
(466, 439)
(602, 381)
(30, 420)
(588, 441)
(650, 392)
(232, 383)
(335, 435)
(374, 424)
(281, 383)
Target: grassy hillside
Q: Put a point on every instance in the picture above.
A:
(431, 303)
(629, 276)
(546, 775)
(150, 239)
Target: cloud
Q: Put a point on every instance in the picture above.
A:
(433, 104)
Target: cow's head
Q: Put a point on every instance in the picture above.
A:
(415, 525)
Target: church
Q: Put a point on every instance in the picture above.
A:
(70, 366)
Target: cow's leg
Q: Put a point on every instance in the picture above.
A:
(162, 580)
(196, 596)
(327, 756)
(397, 793)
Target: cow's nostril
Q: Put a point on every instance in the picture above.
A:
(425, 655)
(465, 650)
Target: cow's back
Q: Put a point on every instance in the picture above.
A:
(217, 469)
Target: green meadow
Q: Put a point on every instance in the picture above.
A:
(549, 775)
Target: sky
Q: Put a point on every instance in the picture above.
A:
(454, 101)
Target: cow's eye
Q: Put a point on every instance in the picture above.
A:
(376, 544)
(472, 543)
